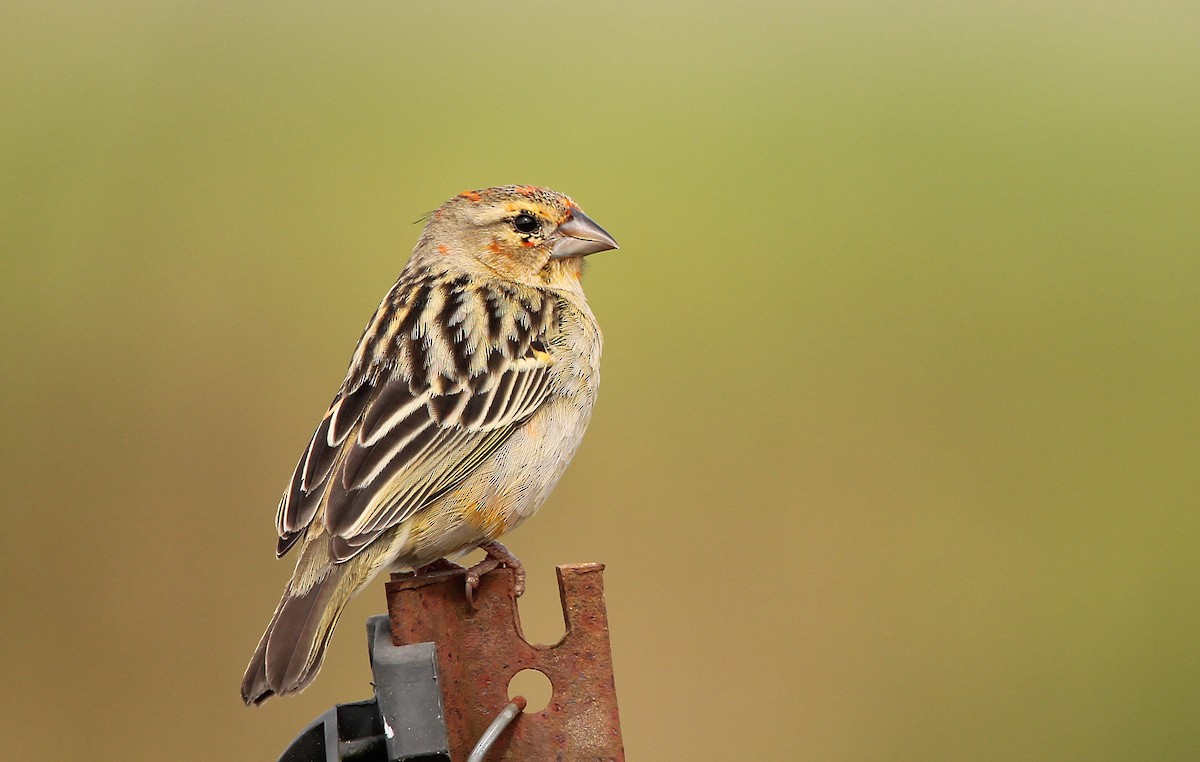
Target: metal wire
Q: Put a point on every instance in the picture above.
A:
(502, 721)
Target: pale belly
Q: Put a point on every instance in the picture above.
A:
(500, 494)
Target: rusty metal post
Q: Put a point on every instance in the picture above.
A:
(479, 651)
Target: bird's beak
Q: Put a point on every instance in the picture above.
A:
(580, 236)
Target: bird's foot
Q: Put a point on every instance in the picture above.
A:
(497, 555)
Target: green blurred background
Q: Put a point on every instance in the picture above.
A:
(897, 450)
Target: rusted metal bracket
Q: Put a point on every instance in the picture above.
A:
(480, 649)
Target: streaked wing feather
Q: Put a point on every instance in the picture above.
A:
(445, 373)
(318, 462)
(346, 413)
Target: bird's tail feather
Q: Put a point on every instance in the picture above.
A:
(293, 647)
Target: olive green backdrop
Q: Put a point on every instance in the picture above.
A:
(897, 449)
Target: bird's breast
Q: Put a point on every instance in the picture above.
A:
(535, 458)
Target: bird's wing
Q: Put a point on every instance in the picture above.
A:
(443, 376)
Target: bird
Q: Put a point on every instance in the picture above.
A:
(465, 399)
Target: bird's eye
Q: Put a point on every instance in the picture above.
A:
(525, 223)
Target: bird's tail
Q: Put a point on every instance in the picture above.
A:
(293, 647)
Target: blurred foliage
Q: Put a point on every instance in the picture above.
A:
(896, 456)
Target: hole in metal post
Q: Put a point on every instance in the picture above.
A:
(534, 686)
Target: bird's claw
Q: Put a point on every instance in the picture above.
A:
(474, 576)
(519, 581)
(497, 556)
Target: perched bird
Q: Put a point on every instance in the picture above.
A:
(467, 396)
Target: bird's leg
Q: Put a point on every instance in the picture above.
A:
(497, 555)
(440, 565)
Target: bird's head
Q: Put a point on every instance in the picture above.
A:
(531, 235)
